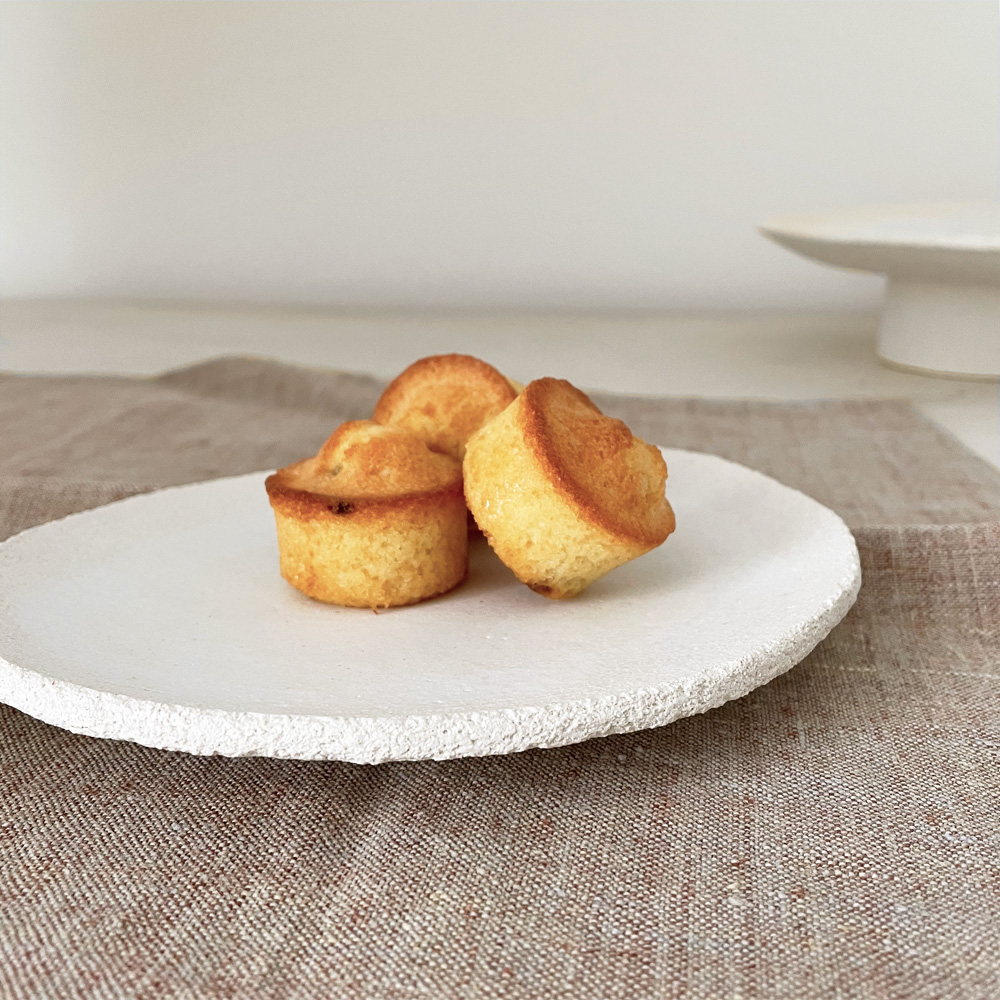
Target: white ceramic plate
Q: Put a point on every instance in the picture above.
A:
(162, 619)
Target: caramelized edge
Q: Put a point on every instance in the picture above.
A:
(436, 366)
(307, 505)
(587, 502)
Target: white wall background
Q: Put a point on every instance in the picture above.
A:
(593, 155)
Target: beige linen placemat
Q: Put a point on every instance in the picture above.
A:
(834, 834)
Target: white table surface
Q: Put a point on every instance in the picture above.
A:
(758, 356)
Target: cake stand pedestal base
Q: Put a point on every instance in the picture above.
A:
(944, 328)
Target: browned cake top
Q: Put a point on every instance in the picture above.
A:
(613, 478)
(363, 460)
(445, 399)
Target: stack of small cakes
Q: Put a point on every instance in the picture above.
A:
(378, 518)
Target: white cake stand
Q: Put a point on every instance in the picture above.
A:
(942, 305)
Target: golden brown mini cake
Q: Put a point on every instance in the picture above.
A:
(563, 493)
(375, 520)
(445, 399)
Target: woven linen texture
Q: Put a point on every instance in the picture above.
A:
(833, 834)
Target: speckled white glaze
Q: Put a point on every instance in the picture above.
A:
(162, 619)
